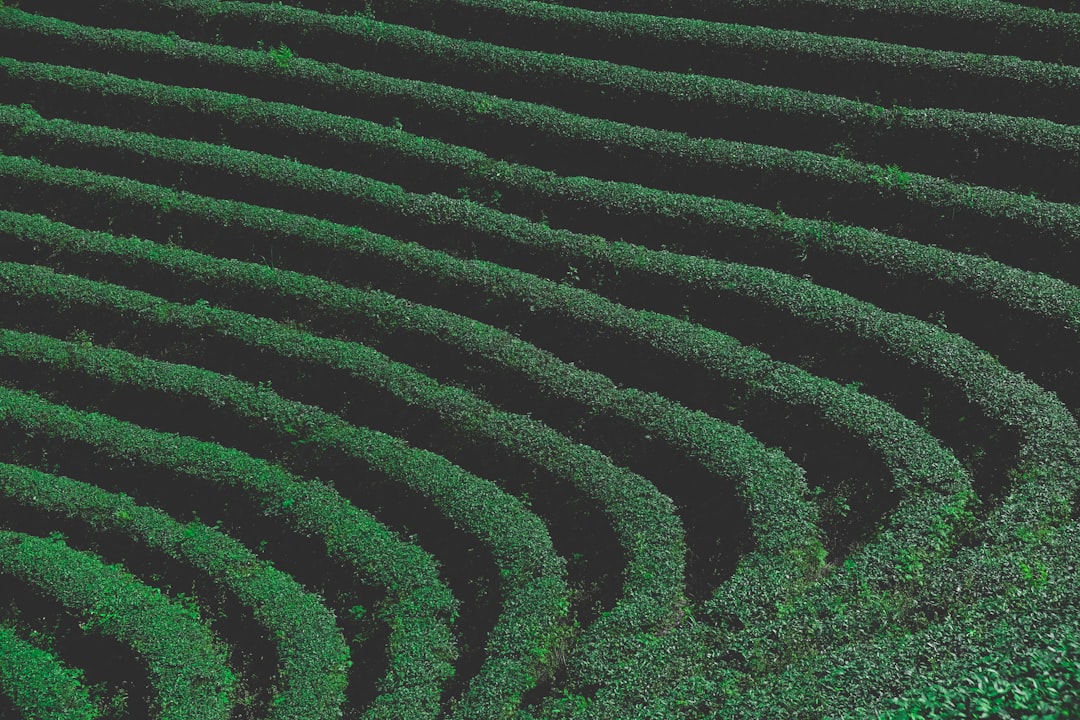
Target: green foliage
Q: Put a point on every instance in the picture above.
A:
(1040, 681)
(890, 176)
(39, 685)
(281, 55)
(189, 670)
(312, 650)
(789, 634)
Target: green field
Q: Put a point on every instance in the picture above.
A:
(567, 360)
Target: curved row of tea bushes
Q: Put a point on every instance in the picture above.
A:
(40, 686)
(843, 66)
(1049, 456)
(643, 519)
(935, 487)
(1005, 217)
(122, 371)
(624, 206)
(984, 26)
(313, 655)
(534, 595)
(1027, 295)
(805, 183)
(849, 638)
(945, 139)
(784, 527)
(417, 604)
(838, 65)
(187, 668)
(525, 290)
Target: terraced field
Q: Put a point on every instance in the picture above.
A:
(476, 359)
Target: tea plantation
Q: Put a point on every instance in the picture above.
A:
(565, 360)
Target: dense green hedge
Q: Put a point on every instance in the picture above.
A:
(934, 487)
(985, 26)
(787, 544)
(643, 519)
(90, 197)
(942, 141)
(646, 215)
(534, 595)
(417, 606)
(785, 526)
(40, 686)
(843, 66)
(313, 655)
(806, 184)
(187, 666)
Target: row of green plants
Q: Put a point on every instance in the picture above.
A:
(643, 519)
(944, 141)
(822, 63)
(313, 657)
(534, 595)
(920, 528)
(985, 26)
(842, 613)
(1013, 215)
(844, 66)
(496, 281)
(187, 666)
(805, 183)
(1004, 217)
(1022, 292)
(40, 686)
(783, 521)
(823, 244)
(784, 526)
(113, 366)
(417, 606)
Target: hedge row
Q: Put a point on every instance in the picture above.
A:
(313, 655)
(985, 26)
(186, 664)
(788, 553)
(749, 233)
(643, 519)
(935, 488)
(558, 70)
(939, 140)
(783, 522)
(483, 282)
(417, 606)
(884, 259)
(1040, 297)
(534, 594)
(115, 366)
(40, 686)
(1049, 457)
(805, 183)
